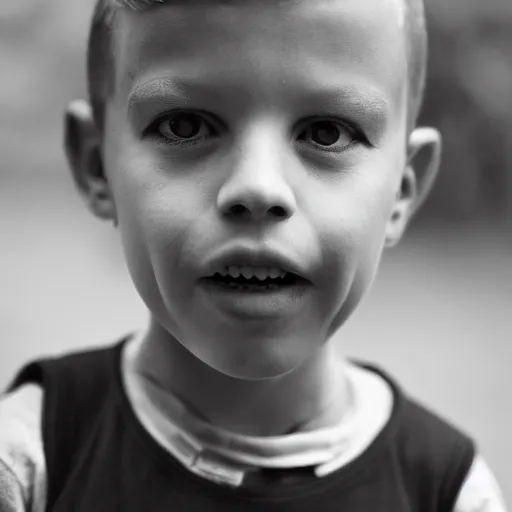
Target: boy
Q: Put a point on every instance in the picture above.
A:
(256, 156)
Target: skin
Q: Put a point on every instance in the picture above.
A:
(262, 73)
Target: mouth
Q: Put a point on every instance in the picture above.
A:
(247, 282)
(254, 279)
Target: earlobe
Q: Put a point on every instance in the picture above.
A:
(424, 154)
(83, 151)
(401, 212)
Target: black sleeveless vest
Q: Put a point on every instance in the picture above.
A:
(100, 458)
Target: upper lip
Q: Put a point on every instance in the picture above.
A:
(243, 256)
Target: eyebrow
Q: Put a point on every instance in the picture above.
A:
(162, 88)
(360, 102)
(359, 97)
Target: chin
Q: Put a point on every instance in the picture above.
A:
(257, 359)
(271, 370)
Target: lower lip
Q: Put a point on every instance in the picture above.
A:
(256, 302)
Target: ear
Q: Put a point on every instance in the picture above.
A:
(423, 158)
(82, 143)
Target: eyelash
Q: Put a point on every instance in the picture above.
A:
(352, 128)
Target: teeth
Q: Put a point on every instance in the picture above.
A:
(275, 272)
(247, 272)
(260, 273)
(234, 271)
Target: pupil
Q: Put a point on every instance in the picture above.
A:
(185, 126)
(325, 133)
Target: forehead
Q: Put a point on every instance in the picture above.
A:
(266, 46)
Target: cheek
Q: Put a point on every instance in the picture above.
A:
(354, 210)
(351, 216)
(155, 216)
(159, 197)
(351, 229)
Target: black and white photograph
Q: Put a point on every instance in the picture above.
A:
(256, 255)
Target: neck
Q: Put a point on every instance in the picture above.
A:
(267, 407)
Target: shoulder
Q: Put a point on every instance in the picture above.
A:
(22, 464)
(436, 456)
(480, 491)
(12, 495)
(422, 430)
(74, 382)
(54, 392)
(424, 440)
(432, 455)
(20, 420)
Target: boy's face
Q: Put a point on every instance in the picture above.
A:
(258, 134)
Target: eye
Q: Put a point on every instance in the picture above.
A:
(328, 135)
(183, 127)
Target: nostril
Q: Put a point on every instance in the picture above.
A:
(239, 209)
(278, 211)
(257, 211)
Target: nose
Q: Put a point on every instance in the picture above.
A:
(256, 188)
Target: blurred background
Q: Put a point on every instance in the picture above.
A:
(440, 314)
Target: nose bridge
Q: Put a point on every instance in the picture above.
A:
(257, 183)
(260, 158)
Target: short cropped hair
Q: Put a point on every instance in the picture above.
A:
(101, 64)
